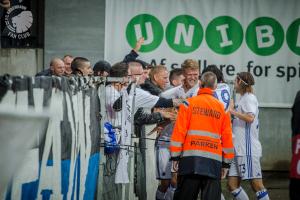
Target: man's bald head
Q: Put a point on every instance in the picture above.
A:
(57, 66)
(209, 80)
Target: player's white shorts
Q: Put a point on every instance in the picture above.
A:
(163, 163)
(245, 167)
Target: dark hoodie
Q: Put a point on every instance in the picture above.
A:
(151, 87)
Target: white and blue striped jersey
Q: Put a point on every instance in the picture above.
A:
(246, 135)
(222, 93)
(178, 92)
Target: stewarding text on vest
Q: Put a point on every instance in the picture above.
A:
(206, 112)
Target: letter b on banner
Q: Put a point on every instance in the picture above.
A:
(264, 36)
(146, 26)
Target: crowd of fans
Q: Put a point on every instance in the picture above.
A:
(158, 95)
(162, 91)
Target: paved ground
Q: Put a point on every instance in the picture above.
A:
(276, 182)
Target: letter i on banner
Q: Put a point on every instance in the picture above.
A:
(225, 41)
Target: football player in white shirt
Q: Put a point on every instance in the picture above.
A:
(246, 164)
(164, 173)
(190, 85)
(222, 92)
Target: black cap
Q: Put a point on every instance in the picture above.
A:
(102, 65)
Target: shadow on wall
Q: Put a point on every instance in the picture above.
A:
(281, 166)
(275, 137)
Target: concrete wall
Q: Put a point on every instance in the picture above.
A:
(21, 61)
(275, 137)
(74, 27)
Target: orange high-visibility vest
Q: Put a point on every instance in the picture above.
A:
(202, 136)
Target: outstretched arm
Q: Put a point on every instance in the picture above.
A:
(139, 44)
(134, 52)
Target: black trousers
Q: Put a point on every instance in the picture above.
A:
(189, 186)
(294, 189)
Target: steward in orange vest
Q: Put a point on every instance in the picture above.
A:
(202, 142)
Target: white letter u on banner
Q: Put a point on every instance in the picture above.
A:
(149, 31)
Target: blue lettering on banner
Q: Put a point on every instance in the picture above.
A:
(30, 189)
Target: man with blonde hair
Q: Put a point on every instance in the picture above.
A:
(188, 89)
(190, 86)
(158, 80)
(159, 76)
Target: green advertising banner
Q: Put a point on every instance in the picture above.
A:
(262, 37)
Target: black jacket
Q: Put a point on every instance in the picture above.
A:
(150, 87)
(130, 57)
(46, 72)
(143, 118)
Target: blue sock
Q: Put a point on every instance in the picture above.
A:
(262, 195)
(240, 194)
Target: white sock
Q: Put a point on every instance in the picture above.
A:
(240, 194)
(262, 195)
(222, 196)
(170, 193)
(160, 195)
